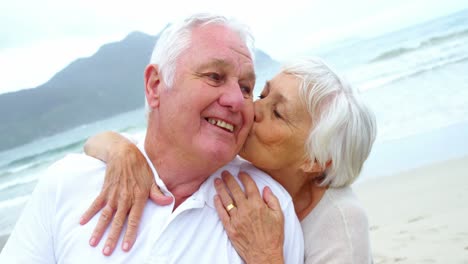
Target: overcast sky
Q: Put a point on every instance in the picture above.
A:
(40, 37)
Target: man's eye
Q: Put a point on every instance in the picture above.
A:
(261, 96)
(246, 90)
(215, 76)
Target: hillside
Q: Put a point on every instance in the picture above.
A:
(89, 89)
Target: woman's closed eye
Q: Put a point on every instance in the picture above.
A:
(277, 114)
(275, 111)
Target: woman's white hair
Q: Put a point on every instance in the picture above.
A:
(175, 39)
(343, 127)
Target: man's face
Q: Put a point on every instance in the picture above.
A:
(208, 111)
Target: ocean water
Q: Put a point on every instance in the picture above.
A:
(21, 167)
(415, 80)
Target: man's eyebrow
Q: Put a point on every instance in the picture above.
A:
(218, 63)
(250, 76)
(223, 64)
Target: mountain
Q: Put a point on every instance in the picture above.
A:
(89, 89)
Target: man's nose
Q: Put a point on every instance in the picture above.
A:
(232, 97)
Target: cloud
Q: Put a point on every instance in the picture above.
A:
(35, 65)
(34, 31)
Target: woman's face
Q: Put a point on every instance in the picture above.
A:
(281, 127)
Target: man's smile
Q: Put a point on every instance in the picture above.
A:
(221, 123)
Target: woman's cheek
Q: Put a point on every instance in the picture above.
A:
(269, 136)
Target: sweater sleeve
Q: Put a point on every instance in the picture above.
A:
(337, 233)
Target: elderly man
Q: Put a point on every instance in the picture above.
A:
(198, 88)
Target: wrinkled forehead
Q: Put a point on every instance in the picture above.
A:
(226, 32)
(220, 37)
(219, 46)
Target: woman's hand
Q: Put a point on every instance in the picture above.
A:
(128, 183)
(254, 225)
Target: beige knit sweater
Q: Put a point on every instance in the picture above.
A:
(337, 230)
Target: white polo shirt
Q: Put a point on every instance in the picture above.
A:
(48, 230)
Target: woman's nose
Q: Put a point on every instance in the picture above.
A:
(258, 111)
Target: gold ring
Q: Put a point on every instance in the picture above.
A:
(229, 207)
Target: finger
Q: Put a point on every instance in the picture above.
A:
(104, 220)
(95, 207)
(134, 219)
(270, 199)
(222, 213)
(236, 191)
(251, 189)
(158, 197)
(116, 228)
(223, 193)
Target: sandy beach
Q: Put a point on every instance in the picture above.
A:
(419, 216)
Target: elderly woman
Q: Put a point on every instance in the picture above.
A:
(311, 133)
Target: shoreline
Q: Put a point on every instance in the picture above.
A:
(395, 156)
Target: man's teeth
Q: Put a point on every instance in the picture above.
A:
(221, 123)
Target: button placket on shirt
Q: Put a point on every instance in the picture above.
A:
(160, 251)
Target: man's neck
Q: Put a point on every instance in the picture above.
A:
(182, 174)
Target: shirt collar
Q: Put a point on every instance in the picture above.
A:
(159, 182)
(205, 194)
(207, 190)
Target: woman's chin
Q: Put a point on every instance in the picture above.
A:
(248, 156)
(243, 154)
(253, 158)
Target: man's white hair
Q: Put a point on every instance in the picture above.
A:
(175, 39)
(343, 127)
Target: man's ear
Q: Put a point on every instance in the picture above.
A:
(314, 167)
(152, 85)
